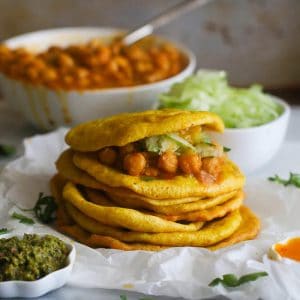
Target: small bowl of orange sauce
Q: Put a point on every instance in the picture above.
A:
(286, 249)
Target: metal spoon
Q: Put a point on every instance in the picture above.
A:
(162, 19)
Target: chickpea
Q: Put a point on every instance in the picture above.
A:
(143, 66)
(212, 165)
(32, 73)
(134, 163)
(65, 60)
(190, 163)
(168, 162)
(162, 61)
(81, 73)
(49, 74)
(119, 66)
(104, 55)
(68, 81)
(107, 156)
(135, 53)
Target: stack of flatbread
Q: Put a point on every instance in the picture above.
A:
(103, 204)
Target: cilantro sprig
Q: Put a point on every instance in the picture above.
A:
(22, 219)
(45, 208)
(294, 179)
(226, 149)
(4, 231)
(230, 280)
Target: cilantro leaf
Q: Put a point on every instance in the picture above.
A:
(123, 297)
(230, 280)
(294, 179)
(22, 219)
(7, 150)
(45, 208)
(226, 149)
(4, 230)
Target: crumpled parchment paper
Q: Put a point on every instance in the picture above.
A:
(179, 272)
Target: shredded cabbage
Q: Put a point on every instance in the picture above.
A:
(209, 91)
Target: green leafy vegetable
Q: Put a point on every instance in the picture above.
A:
(3, 230)
(22, 219)
(45, 208)
(294, 179)
(230, 280)
(226, 149)
(7, 150)
(210, 91)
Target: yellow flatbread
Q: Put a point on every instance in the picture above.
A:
(170, 210)
(123, 129)
(210, 234)
(247, 230)
(123, 217)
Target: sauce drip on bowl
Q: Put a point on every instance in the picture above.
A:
(290, 249)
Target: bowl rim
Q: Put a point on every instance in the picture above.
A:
(285, 113)
(70, 261)
(189, 68)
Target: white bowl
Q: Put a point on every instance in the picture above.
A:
(36, 288)
(251, 148)
(47, 109)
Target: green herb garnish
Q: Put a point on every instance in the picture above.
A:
(45, 208)
(7, 150)
(230, 280)
(294, 179)
(3, 230)
(226, 149)
(22, 219)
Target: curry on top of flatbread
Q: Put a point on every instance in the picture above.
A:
(151, 180)
(153, 145)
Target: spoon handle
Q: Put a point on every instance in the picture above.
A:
(162, 19)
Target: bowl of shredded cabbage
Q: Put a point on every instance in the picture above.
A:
(255, 122)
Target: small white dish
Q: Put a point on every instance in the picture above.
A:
(253, 147)
(37, 288)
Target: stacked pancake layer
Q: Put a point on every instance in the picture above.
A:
(102, 206)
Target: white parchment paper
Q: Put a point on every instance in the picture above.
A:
(179, 272)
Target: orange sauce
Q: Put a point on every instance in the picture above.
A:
(291, 249)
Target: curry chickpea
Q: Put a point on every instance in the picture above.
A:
(190, 163)
(134, 163)
(93, 65)
(168, 162)
(212, 165)
(107, 156)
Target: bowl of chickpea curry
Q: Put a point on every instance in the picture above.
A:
(67, 76)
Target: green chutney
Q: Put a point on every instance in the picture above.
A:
(31, 257)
